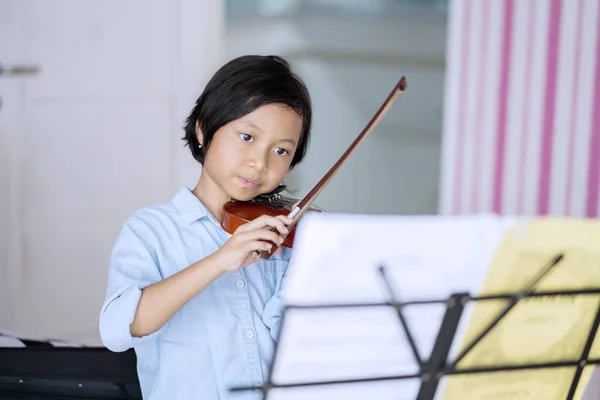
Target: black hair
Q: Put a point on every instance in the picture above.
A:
(238, 88)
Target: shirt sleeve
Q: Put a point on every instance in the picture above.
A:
(274, 309)
(133, 266)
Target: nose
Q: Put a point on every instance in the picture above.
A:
(259, 159)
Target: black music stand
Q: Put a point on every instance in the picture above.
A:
(433, 369)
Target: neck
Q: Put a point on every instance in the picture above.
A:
(211, 196)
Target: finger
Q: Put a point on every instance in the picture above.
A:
(252, 257)
(267, 220)
(263, 234)
(256, 246)
(285, 219)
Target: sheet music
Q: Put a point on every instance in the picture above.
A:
(350, 344)
(336, 261)
(336, 256)
(540, 329)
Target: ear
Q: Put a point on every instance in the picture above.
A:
(199, 134)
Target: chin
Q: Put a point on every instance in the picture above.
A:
(243, 198)
(244, 195)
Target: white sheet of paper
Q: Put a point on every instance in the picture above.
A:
(336, 261)
(336, 256)
(9, 341)
(12, 339)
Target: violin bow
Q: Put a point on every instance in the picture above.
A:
(307, 201)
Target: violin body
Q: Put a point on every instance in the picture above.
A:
(237, 213)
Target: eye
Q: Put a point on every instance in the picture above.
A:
(281, 151)
(246, 137)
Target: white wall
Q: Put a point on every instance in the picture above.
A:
(92, 138)
(350, 65)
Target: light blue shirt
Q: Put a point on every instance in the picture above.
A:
(223, 337)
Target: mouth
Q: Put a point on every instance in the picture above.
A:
(250, 183)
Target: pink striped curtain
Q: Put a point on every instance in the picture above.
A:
(522, 108)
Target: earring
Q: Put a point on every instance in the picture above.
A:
(200, 145)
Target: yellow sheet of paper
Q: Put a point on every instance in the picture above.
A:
(536, 330)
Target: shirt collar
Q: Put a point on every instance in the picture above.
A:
(189, 206)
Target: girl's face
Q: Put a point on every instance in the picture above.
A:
(251, 155)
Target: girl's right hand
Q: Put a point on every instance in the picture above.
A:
(240, 249)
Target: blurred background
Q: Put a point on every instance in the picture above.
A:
(500, 115)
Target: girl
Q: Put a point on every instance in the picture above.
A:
(200, 311)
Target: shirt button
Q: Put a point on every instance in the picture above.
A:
(250, 335)
(240, 283)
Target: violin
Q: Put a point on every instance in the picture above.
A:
(237, 213)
